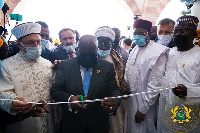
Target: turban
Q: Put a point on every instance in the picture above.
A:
(105, 31)
(187, 21)
(25, 29)
(144, 24)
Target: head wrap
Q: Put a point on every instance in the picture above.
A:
(144, 24)
(105, 31)
(25, 29)
(187, 21)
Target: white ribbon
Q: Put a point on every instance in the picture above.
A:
(95, 100)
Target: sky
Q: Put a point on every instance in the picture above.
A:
(86, 16)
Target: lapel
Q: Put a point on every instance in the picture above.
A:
(76, 76)
(95, 76)
(63, 55)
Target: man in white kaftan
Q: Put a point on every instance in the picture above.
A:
(105, 36)
(28, 75)
(138, 68)
(179, 77)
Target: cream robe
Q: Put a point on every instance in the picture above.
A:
(116, 122)
(181, 68)
(138, 68)
(31, 79)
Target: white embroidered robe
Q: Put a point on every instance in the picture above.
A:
(31, 79)
(181, 68)
(138, 69)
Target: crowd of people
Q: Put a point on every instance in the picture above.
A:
(100, 83)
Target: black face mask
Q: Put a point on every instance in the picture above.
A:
(87, 62)
(115, 43)
(181, 41)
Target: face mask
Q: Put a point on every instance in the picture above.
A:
(33, 52)
(102, 53)
(44, 43)
(181, 41)
(139, 40)
(69, 48)
(115, 43)
(76, 45)
(87, 62)
(164, 39)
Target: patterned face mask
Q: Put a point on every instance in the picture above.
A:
(69, 48)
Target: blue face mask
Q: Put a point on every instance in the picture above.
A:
(44, 43)
(33, 52)
(0, 65)
(102, 53)
(139, 40)
(164, 39)
(76, 45)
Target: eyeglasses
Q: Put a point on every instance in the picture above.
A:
(181, 32)
(32, 43)
(140, 33)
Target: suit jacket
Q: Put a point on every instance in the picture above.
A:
(46, 53)
(59, 54)
(69, 82)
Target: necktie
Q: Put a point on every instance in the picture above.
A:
(86, 81)
(71, 55)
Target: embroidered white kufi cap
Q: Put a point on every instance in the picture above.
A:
(25, 29)
(105, 31)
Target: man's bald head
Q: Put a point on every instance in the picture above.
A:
(87, 43)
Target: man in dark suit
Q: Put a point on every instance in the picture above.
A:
(67, 50)
(72, 81)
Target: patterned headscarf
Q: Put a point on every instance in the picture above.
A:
(105, 31)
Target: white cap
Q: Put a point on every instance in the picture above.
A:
(26, 29)
(105, 31)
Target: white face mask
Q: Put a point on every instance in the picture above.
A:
(164, 39)
(69, 48)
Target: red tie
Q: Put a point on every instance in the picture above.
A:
(71, 55)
